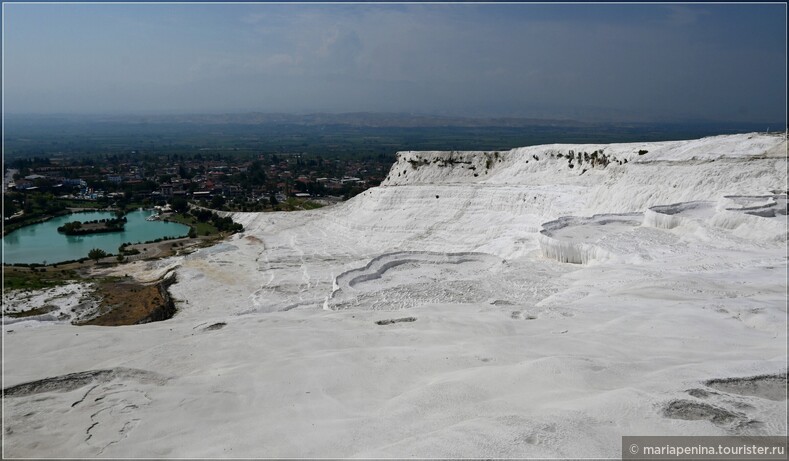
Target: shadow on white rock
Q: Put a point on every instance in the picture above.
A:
(408, 278)
(580, 240)
(753, 217)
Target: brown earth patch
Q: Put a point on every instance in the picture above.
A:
(32, 312)
(131, 303)
(253, 239)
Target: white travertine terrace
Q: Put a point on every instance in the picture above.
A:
(556, 309)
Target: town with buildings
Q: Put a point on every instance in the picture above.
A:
(263, 182)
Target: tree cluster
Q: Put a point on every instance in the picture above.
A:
(102, 225)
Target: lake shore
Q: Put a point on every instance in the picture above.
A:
(43, 244)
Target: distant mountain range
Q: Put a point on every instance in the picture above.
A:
(355, 119)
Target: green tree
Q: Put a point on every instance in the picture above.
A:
(217, 201)
(179, 205)
(256, 175)
(9, 206)
(96, 254)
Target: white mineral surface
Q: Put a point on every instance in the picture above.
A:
(476, 304)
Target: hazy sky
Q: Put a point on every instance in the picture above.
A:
(592, 62)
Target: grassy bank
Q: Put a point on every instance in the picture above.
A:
(27, 278)
(200, 228)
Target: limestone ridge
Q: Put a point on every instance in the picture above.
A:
(435, 200)
(571, 161)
